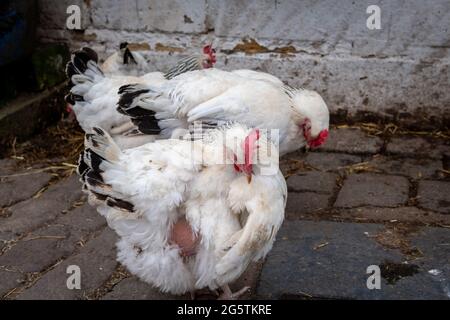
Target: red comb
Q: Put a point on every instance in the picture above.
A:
(323, 135)
(209, 50)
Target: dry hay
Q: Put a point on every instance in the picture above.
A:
(55, 150)
(391, 129)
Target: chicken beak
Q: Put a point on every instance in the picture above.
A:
(249, 178)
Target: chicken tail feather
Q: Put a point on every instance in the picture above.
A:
(101, 143)
(100, 149)
(133, 104)
(126, 54)
(82, 70)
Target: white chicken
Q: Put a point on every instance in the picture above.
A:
(214, 96)
(125, 62)
(225, 193)
(94, 95)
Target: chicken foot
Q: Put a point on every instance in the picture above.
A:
(228, 295)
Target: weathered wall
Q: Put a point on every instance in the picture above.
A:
(400, 71)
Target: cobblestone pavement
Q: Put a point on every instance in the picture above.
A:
(360, 200)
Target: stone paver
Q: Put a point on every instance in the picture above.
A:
(45, 246)
(304, 203)
(400, 214)
(351, 141)
(134, 289)
(417, 147)
(373, 189)
(329, 260)
(315, 181)
(414, 168)
(329, 161)
(9, 280)
(21, 187)
(33, 213)
(96, 261)
(434, 195)
(309, 192)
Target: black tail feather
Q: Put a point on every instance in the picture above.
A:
(94, 184)
(99, 196)
(120, 204)
(73, 98)
(128, 57)
(79, 61)
(70, 70)
(94, 178)
(95, 160)
(147, 125)
(144, 119)
(82, 166)
(78, 65)
(91, 54)
(132, 90)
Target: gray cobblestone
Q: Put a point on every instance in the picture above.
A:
(45, 246)
(9, 279)
(417, 147)
(414, 168)
(351, 141)
(305, 202)
(375, 190)
(315, 181)
(329, 260)
(134, 289)
(97, 261)
(33, 213)
(21, 187)
(401, 214)
(328, 161)
(435, 195)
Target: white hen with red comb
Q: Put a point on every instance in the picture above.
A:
(234, 208)
(215, 96)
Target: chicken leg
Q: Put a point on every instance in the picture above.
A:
(228, 295)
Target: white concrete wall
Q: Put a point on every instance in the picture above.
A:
(400, 71)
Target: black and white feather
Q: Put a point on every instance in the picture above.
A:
(94, 95)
